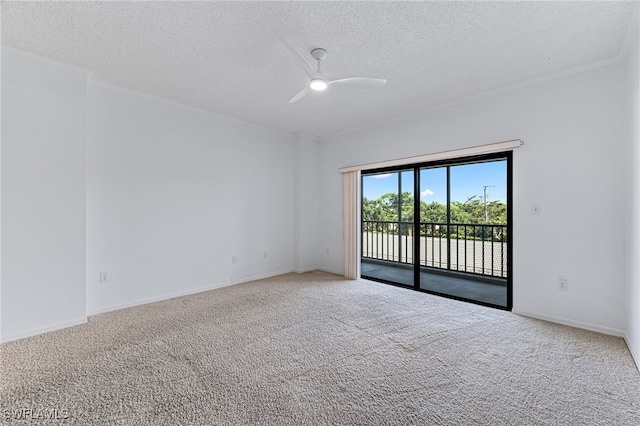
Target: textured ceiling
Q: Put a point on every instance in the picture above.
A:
(224, 57)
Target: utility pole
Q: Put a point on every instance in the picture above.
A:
(486, 213)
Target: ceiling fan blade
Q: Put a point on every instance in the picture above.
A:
(360, 82)
(301, 94)
(302, 62)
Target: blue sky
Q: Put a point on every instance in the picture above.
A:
(466, 181)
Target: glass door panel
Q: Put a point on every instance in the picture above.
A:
(434, 252)
(387, 227)
(479, 218)
(473, 266)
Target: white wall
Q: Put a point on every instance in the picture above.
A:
(572, 164)
(632, 83)
(160, 196)
(43, 196)
(306, 186)
(174, 193)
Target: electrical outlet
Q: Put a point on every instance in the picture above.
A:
(563, 285)
(104, 277)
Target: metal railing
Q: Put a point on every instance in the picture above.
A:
(474, 248)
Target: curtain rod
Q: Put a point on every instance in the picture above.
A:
(444, 155)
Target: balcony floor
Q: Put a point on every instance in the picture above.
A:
(493, 293)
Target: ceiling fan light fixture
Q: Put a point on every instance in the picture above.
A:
(319, 81)
(318, 84)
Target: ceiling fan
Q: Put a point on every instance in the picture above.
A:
(319, 81)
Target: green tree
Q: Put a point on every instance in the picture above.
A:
(389, 204)
(433, 212)
(497, 213)
(372, 210)
(471, 212)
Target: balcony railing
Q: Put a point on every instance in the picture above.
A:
(473, 248)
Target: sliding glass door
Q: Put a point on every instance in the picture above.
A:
(441, 227)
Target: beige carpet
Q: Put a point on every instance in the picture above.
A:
(317, 349)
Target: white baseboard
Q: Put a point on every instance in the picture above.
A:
(572, 323)
(41, 330)
(331, 271)
(634, 354)
(160, 298)
(262, 276)
(183, 293)
(305, 270)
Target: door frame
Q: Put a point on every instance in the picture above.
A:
(503, 155)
